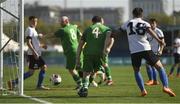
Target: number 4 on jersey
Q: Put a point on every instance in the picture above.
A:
(96, 32)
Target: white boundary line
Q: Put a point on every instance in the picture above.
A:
(36, 99)
(29, 97)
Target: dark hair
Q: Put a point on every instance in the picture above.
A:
(32, 17)
(152, 20)
(137, 12)
(96, 19)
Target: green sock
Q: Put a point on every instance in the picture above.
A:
(77, 79)
(108, 72)
(85, 82)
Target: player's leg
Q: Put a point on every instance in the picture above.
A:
(71, 65)
(155, 81)
(42, 73)
(164, 79)
(29, 73)
(176, 61)
(83, 92)
(79, 68)
(150, 74)
(155, 61)
(108, 74)
(136, 63)
(107, 70)
(178, 71)
(13, 83)
(87, 70)
(75, 77)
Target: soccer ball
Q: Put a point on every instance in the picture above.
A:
(55, 79)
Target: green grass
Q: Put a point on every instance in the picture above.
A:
(124, 89)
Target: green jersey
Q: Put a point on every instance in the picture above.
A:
(95, 36)
(69, 36)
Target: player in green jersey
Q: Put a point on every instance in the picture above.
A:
(69, 35)
(105, 67)
(94, 37)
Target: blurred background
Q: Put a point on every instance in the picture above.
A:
(114, 12)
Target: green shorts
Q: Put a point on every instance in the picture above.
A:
(71, 61)
(92, 63)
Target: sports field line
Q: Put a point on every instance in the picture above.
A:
(29, 97)
(36, 99)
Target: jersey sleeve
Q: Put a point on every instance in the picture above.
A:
(147, 25)
(160, 34)
(124, 26)
(28, 33)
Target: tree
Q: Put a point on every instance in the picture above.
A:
(162, 18)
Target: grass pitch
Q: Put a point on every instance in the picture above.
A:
(124, 89)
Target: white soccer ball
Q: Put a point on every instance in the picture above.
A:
(56, 79)
(1, 1)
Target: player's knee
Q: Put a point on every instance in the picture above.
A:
(105, 65)
(136, 69)
(73, 72)
(158, 65)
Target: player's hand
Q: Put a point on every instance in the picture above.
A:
(161, 42)
(159, 53)
(106, 51)
(36, 56)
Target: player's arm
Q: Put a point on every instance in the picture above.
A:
(31, 47)
(109, 41)
(161, 47)
(79, 50)
(153, 34)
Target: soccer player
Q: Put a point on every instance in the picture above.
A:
(151, 71)
(105, 67)
(69, 35)
(140, 48)
(34, 55)
(176, 47)
(94, 37)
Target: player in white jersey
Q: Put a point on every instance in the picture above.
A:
(176, 54)
(140, 48)
(34, 55)
(151, 71)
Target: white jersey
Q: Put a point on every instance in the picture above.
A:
(153, 42)
(32, 33)
(177, 42)
(137, 37)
